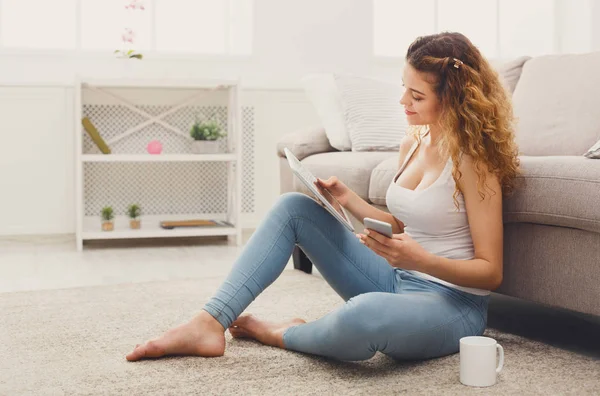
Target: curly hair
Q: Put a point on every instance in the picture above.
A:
(476, 111)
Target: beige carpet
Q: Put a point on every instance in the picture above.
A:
(73, 341)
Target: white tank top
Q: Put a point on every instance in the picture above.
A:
(431, 219)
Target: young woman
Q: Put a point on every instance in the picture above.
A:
(412, 296)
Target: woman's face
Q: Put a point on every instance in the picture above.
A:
(421, 104)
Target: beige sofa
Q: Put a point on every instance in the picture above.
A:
(552, 222)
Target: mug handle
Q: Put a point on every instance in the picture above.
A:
(501, 359)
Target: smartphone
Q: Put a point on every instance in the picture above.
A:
(380, 226)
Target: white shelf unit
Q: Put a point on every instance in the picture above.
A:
(140, 122)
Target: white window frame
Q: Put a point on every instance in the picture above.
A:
(79, 52)
(558, 30)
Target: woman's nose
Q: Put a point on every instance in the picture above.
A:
(403, 100)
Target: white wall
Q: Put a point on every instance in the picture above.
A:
(595, 28)
(573, 18)
(291, 38)
(37, 161)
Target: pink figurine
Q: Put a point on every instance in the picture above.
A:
(154, 147)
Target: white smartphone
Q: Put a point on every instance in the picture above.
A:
(380, 226)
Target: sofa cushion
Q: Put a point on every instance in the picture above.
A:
(352, 168)
(556, 103)
(305, 142)
(510, 71)
(557, 190)
(594, 151)
(381, 177)
(372, 111)
(358, 113)
(322, 91)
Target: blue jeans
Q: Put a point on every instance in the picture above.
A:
(387, 309)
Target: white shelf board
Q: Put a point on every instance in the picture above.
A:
(150, 227)
(160, 83)
(157, 157)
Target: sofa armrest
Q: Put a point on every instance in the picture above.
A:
(558, 191)
(305, 142)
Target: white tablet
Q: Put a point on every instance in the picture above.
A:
(331, 204)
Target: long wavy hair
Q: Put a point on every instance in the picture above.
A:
(476, 110)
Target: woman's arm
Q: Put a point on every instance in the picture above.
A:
(361, 208)
(485, 223)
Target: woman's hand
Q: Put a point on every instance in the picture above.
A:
(335, 187)
(401, 251)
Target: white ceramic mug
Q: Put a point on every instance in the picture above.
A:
(478, 361)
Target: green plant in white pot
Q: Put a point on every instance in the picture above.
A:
(205, 135)
(134, 211)
(107, 215)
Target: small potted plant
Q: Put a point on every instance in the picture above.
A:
(205, 135)
(134, 213)
(107, 218)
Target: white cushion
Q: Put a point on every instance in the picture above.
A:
(358, 113)
(374, 117)
(594, 151)
(509, 71)
(321, 90)
(557, 105)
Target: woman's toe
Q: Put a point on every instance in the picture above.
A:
(241, 320)
(237, 332)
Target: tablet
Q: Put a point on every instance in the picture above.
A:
(331, 204)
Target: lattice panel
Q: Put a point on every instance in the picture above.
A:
(162, 188)
(113, 120)
(248, 160)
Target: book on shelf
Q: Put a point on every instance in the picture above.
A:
(95, 136)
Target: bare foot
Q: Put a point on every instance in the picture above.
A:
(201, 336)
(249, 326)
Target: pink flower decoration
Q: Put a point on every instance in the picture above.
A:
(154, 147)
(135, 4)
(128, 36)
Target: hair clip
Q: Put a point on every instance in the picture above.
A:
(457, 62)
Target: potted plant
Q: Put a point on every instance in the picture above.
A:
(205, 135)
(134, 213)
(107, 218)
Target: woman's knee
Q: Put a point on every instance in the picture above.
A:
(362, 314)
(293, 198)
(296, 203)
